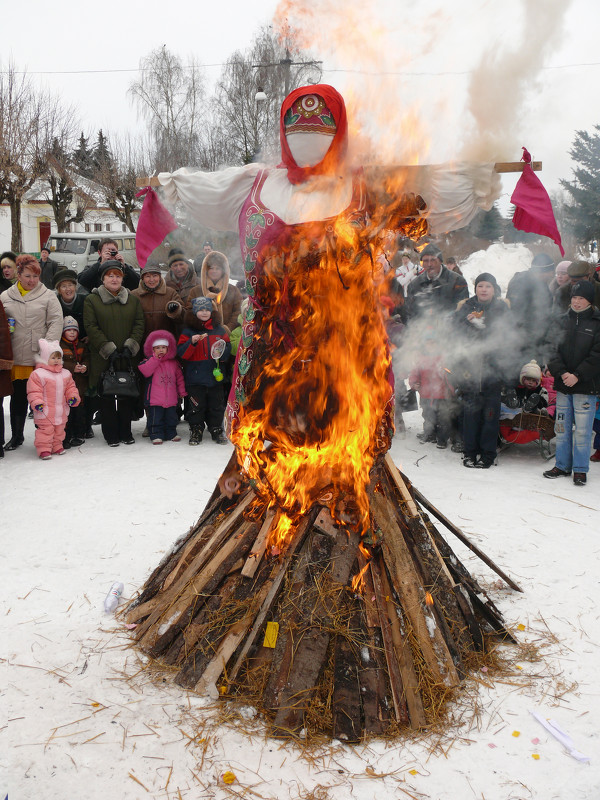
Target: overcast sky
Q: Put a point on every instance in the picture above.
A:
(433, 80)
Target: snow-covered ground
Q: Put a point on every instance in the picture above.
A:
(82, 723)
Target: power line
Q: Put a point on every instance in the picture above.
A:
(349, 71)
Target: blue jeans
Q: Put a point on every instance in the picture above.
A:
(573, 447)
(162, 422)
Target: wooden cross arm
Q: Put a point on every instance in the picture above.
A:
(499, 166)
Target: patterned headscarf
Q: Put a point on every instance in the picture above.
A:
(314, 109)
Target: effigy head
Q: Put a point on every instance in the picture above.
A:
(313, 132)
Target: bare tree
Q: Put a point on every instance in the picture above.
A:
(30, 119)
(69, 201)
(269, 65)
(116, 173)
(170, 96)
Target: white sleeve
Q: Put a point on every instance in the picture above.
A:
(213, 198)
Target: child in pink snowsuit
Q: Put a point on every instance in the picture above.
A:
(51, 392)
(164, 386)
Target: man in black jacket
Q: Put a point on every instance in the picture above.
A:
(437, 289)
(91, 278)
(575, 367)
(531, 304)
(49, 268)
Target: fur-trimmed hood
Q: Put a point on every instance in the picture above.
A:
(160, 334)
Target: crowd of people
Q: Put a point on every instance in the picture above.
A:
(110, 346)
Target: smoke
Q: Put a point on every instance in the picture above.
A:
(426, 82)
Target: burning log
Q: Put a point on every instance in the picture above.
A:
(291, 632)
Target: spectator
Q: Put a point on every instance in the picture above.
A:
(482, 321)
(202, 381)
(37, 315)
(575, 367)
(6, 364)
(214, 284)
(164, 386)
(577, 271)
(76, 358)
(437, 289)
(207, 248)
(453, 266)
(49, 268)
(91, 278)
(406, 269)
(596, 427)
(161, 304)
(181, 276)
(561, 276)
(8, 264)
(531, 305)
(71, 303)
(114, 322)
(51, 392)
(429, 379)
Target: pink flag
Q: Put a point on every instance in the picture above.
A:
(533, 213)
(154, 224)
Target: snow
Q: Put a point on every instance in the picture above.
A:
(85, 722)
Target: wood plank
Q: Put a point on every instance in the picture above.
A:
(346, 692)
(258, 548)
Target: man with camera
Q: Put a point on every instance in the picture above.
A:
(90, 278)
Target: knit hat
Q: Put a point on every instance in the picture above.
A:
(580, 269)
(64, 275)
(208, 243)
(7, 258)
(47, 347)
(149, 268)
(70, 323)
(531, 370)
(201, 304)
(160, 343)
(542, 262)
(431, 250)
(584, 289)
(112, 263)
(178, 257)
(563, 266)
(489, 278)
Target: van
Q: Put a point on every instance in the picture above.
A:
(79, 250)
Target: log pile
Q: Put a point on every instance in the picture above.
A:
(333, 633)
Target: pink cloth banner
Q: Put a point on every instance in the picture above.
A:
(533, 213)
(154, 224)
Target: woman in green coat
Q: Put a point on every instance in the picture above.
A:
(114, 322)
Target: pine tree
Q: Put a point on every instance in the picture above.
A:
(83, 158)
(102, 157)
(490, 225)
(583, 212)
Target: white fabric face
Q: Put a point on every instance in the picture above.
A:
(308, 149)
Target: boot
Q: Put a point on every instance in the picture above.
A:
(17, 424)
(217, 436)
(195, 434)
(595, 456)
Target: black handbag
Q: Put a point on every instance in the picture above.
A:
(119, 382)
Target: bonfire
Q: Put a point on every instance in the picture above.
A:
(314, 586)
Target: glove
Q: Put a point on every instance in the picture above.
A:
(172, 307)
(126, 352)
(531, 403)
(39, 407)
(71, 401)
(510, 398)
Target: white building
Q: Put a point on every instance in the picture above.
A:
(37, 216)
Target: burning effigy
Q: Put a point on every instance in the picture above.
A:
(314, 586)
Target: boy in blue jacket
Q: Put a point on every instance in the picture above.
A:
(201, 348)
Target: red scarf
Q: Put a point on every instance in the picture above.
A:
(339, 145)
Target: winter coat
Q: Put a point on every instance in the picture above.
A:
(523, 394)
(77, 353)
(112, 323)
(154, 305)
(575, 348)
(91, 277)
(75, 310)
(185, 286)
(37, 315)
(198, 366)
(51, 386)
(482, 361)
(49, 270)
(6, 356)
(429, 379)
(164, 377)
(424, 296)
(229, 297)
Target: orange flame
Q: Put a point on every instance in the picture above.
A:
(358, 583)
(428, 599)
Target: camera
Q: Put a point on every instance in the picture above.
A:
(112, 252)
